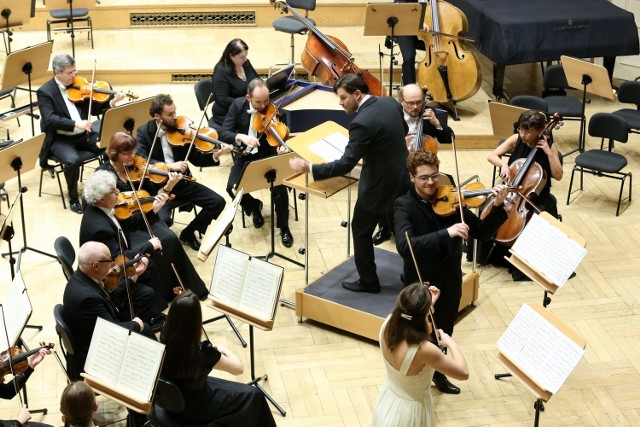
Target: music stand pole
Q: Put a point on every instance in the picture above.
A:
(254, 381)
(73, 35)
(5, 14)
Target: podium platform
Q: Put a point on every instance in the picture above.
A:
(326, 301)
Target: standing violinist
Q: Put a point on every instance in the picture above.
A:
(239, 129)
(70, 137)
(411, 98)
(376, 135)
(163, 110)
(437, 240)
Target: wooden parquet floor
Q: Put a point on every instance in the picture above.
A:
(324, 377)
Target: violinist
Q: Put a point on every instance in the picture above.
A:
(437, 241)
(70, 134)
(211, 203)
(411, 99)
(239, 129)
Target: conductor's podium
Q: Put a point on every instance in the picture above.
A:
(327, 302)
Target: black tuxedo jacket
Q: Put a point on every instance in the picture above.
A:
(238, 120)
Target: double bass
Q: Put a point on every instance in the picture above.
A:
(449, 70)
(327, 58)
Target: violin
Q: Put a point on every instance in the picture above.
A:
(124, 268)
(158, 173)
(206, 138)
(328, 58)
(127, 205)
(449, 70)
(447, 200)
(268, 122)
(81, 89)
(19, 359)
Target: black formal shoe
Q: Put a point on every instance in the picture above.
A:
(287, 238)
(258, 220)
(382, 235)
(443, 384)
(191, 240)
(75, 206)
(157, 322)
(358, 286)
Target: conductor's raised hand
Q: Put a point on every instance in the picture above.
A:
(459, 230)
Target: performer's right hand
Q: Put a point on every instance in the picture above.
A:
(139, 322)
(459, 230)
(84, 125)
(23, 416)
(157, 245)
(445, 339)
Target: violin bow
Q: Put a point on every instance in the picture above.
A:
(415, 264)
(195, 134)
(458, 190)
(93, 77)
(148, 162)
(124, 267)
(184, 289)
(135, 196)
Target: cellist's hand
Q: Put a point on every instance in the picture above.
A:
(180, 166)
(500, 191)
(543, 145)
(459, 230)
(505, 172)
(159, 201)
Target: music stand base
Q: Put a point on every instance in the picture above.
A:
(255, 380)
(233, 326)
(286, 258)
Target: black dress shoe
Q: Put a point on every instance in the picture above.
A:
(75, 206)
(382, 235)
(158, 322)
(191, 240)
(443, 384)
(287, 238)
(258, 220)
(358, 286)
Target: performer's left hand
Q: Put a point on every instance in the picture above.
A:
(282, 150)
(435, 294)
(500, 191)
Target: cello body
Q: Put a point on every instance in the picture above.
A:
(449, 71)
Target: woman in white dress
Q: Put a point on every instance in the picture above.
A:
(410, 358)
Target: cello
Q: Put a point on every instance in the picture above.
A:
(327, 58)
(449, 70)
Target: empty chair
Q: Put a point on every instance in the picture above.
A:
(530, 102)
(601, 162)
(291, 25)
(66, 255)
(67, 16)
(203, 89)
(629, 92)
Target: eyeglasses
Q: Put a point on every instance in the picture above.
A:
(526, 131)
(110, 260)
(413, 103)
(425, 178)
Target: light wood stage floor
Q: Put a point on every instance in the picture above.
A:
(320, 375)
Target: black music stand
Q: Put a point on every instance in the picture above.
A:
(267, 173)
(14, 14)
(124, 118)
(7, 232)
(79, 4)
(593, 78)
(31, 62)
(393, 19)
(16, 159)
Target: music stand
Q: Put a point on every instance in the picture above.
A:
(79, 4)
(593, 78)
(393, 19)
(267, 173)
(16, 159)
(14, 14)
(7, 232)
(127, 117)
(32, 62)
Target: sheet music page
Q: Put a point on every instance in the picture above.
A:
(228, 276)
(17, 309)
(261, 289)
(108, 344)
(140, 367)
(548, 250)
(331, 147)
(539, 349)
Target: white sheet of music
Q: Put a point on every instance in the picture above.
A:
(331, 147)
(17, 309)
(261, 290)
(548, 250)
(106, 350)
(539, 349)
(228, 276)
(141, 364)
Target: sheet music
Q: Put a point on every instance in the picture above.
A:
(141, 364)
(331, 147)
(261, 289)
(229, 275)
(548, 250)
(539, 349)
(106, 350)
(17, 309)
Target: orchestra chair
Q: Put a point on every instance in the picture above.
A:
(555, 84)
(168, 397)
(66, 16)
(203, 89)
(601, 162)
(629, 92)
(10, 93)
(66, 255)
(291, 25)
(67, 344)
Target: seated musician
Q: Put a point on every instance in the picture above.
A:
(238, 128)
(188, 363)
(437, 240)
(68, 128)
(164, 110)
(411, 98)
(531, 125)
(231, 75)
(121, 152)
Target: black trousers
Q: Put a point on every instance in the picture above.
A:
(408, 45)
(72, 151)
(210, 202)
(362, 227)
(142, 298)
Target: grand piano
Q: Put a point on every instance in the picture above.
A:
(522, 31)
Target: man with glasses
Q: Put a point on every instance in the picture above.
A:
(437, 240)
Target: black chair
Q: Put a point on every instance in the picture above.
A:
(604, 162)
(66, 255)
(67, 344)
(10, 93)
(629, 92)
(66, 16)
(555, 83)
(291, 25)
(168, 397)
(203, 89)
